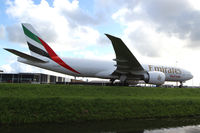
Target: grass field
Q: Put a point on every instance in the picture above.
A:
(27, 103)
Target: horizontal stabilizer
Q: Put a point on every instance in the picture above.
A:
(25, 56)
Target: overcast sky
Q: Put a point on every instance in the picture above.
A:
(156, 31)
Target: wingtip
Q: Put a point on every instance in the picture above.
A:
(111, 36)
(6, 49)
(108, 35)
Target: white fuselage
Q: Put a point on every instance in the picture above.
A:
(104, 69)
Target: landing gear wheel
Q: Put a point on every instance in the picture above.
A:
(181, 85)
(112, 82)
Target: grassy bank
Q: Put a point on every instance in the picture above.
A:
(26, 103)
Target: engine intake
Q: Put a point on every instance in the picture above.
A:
(154, 77)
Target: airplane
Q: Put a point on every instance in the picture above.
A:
(125, 67)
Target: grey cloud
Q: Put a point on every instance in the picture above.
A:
(102, 11)
(79, 17)
(2, 31)
(46, 30)
(173, 17)
(103, 40)
(193, 44)
(105, 8)
(15, 33)
(110, 5)
(16, 67)
(170, 16)
(143, 45)
(13, 67)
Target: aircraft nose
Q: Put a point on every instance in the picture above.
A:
(190, 76)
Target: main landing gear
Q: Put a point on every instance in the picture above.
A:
(123, 80)
(121, 83)
(112, 81)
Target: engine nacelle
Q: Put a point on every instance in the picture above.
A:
(155, 77)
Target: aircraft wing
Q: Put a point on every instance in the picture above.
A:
(126, 61)
(25, 56)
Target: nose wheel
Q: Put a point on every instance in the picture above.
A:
(181, 84)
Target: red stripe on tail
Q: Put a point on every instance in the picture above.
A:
(55, 58)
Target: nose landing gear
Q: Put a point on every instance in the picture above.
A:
(181, 84)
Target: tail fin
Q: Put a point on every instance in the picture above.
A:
(38, 47)
(33, 40)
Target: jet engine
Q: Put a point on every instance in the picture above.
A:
(154, 77)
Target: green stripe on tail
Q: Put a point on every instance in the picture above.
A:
(31, 35)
